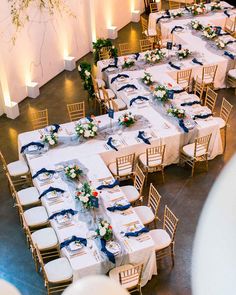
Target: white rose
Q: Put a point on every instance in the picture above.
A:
(95, 128)
(73, 175)
(86, 133)
(102, 231)
(87, 73)
(51, 142)
(79, 68)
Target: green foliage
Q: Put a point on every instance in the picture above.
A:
(99, 44)
(85, 70)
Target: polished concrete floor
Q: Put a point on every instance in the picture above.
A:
(184, 195)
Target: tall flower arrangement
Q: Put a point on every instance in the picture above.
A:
(99, 44)
(85, 70)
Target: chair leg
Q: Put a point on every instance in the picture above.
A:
(172, 256)
(193, 169)
(163, 175)
(225, 130)
(206, 164)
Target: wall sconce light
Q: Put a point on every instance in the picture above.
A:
(112, 32)
(33, 89)
(135, 16)
(69, 63)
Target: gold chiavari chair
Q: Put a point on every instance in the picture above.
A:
(145, 45)
(125, 49)
(210, 99)
(195, 152)
(199, 89)
(230, 25)
(100, 82)
(109, 102)
(123, 168)
(152, 160)
(39, 119)
(76, 111)
(105, 53)
(164, 239)
(208, 76)
(149, 33)
(134, 192)
(184, 79)
(174, 5)
(148, 214)
(129, 276)
(231, 78)
(57, 273)
(153, 7)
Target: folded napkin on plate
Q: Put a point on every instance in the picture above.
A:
(109, 142)
(119, 76)
(56, 128)
(226, 13)
(191, 103)
(182, 125)
(109, 255)
(111, 185)
(127, 86)
(137, 233)
(175, 28)
(73, 239)
(63, 212)
(43, 170)
(111, 65)
(202, 116)
(194, 60)
(51, 189)
(174, 66)
(118, 208)
(136, 55)
(162, 17)
(144, 139)
(38, 144)
(230, 42)
(230, 55)
(176, 91)
(137, 98)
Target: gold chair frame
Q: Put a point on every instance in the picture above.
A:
(125, 163)
(130, 275)
(184, 77)
(76, 111)
(225, 111)
(125, 49)
(39, 119)
(210, 99)
(145, 45)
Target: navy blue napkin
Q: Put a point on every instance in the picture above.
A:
(51, 189)
(194, 60)
(174, 66)
(118, 208)
(137, 233)
(38, 144)
(111, 65)
(170, 94)
(230, 55)
(182, 125)
(136, 55)
(226, 13)
(137, 98)
(223, 34)
(127, 86)
(109, 142)
(43, 170)
(73, 239)
(202, 116)
(144, 139)
(186, 8)
(110, 255)
(119, 76)
(230, 42)
(63, 212)
(89, 119)
(162, 17)
(56, 128)
(178, 90)
(191, 103)
(111, 185)
(169, 45)
(176, 27)
(110, 113)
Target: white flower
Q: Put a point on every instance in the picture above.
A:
(102, 231)
(81, 131)
(87, 73)
(73, 175)
(79, 68)
(86, 133)
(84, 199)
(159, 93)
(94, 128)
(51, 142)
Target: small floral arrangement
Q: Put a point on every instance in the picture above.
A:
(154, 56)
(177, 13)
(196, 25)
(178, 113)
(197, 9)
(128, 63)
(160, 92)
(126, 119)
(184, 53)
(209, 32)
(104, 230)
(73, 171)
(87, 195)
(215, 6)
(87, 130)
(220, 44)
(51, 139)
(147, 79)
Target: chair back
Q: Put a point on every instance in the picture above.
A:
(153, 7)
(113, 105)
(154, 200)
(139, 179)
(39, 119)
(201, 145)
(155, 155)
(131, 276)
(104, 53)
(76, 111)
(170, 223)
(225, 110)
(199, 88)
(184, 78)
(125, 49)
(12, 187)
(145, 45)
(209, 73)
(125, 164)
(105, 95)
(174, 5)
(230, 25)
(210, 99)
(144, 24)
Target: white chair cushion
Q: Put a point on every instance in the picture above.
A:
(220, 122)
(100, 83)
(110, 93)
(28, 196)
(145, 214)
(153, 163)
(114, 275)
(150, 32)
(232, 73)
(189, 150)
(36, 216)
(160, 238)
(45, 238)
(58, 270)
(17, 168)
(130, 192)
(120, 103)
(113, 170)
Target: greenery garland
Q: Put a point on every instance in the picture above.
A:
(85, 70)
(99, 44)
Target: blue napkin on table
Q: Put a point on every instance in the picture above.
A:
(118, 208)
(230, 42)
(178, 90)
(182, 125)
(109, 142)
(176, 27)
(127, 86)
(63, 212)
(51, 189)
(110, 255)
(144, 139)
(137, 98)
(162, 17)
(38, 144)
(43, 170)
(226, 13)
(73, 239)
(89, 119)
(230, 55)
(202, 116)
(174, 66)
(191, 103)
(186, 8)
(119, 76)
(56, 128)
(194, 60)
(111, 65)
(111, 185)
(223, 34)
(136, 55)
(137, 233)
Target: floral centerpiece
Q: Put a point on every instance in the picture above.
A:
(73, 171)
(51, 139)
(220, 44)
(215, 6)
(196, 25)
(184, 53)
(99, 45)
(126, 119)
(160, 93)
(128, 63)
(178, 113)
(177, 13)
(209, 32)
(104, 230)
(87, 195)
(154, 56)
(87, 130)
(197, 9)
(147, 79)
